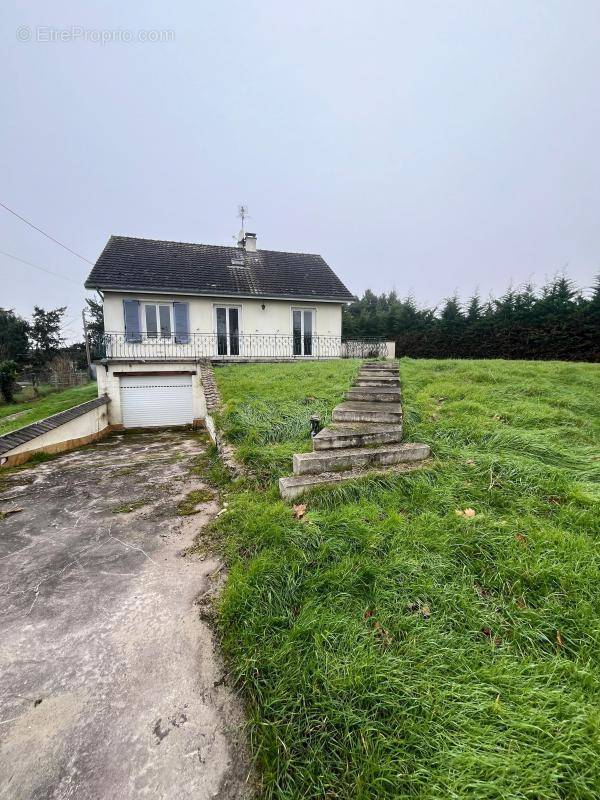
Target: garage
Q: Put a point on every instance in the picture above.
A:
(156, 400)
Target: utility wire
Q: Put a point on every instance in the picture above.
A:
(68, 322)
(47, 235)
(36, 266)
(50, 272)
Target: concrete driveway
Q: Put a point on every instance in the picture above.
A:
(110, 682)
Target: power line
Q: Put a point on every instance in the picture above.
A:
(68, 322)
(50, 272)
(36, 266)
(47, 235)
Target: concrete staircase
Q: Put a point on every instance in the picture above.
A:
(365, 435)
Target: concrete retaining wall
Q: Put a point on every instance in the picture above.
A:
(67, 430)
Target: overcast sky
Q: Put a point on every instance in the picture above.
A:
(429, 147)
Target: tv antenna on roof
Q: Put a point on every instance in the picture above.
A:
(243, 214)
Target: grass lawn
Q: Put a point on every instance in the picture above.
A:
(17, 415)
(389, 646)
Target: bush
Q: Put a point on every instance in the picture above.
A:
(8, 380)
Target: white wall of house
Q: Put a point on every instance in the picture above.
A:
(152, 355)
(276, 317)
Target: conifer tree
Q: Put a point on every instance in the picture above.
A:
(555, 322)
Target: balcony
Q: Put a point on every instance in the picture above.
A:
(238, 347)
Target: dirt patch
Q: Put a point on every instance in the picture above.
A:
(191, 502)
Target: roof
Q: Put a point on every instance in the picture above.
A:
(131, 264)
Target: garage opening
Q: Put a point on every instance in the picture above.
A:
(156, 401)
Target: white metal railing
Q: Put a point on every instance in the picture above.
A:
(240, 346)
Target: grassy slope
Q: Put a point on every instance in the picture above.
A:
(37, 409)
(270, 404)
(355, 690)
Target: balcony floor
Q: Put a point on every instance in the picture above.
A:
(215, 360)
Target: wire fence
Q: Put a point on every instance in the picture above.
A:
(32, 378)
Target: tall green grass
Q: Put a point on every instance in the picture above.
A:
(389, 647)
(268, 407)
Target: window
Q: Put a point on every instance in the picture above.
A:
(181, 316)
(227, 319)
(158, 319)
(131, 314)
(302, 331)
(164, 317)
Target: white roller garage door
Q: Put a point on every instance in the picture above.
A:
(153, 400)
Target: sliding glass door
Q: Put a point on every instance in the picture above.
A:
(303, 330)
(228, 330)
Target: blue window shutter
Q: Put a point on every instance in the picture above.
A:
(131, 311)
(182, 322)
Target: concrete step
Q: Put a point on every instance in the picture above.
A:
(386, 370)
(374, 394)
(377, 376)
(378, 373)
(357, 458)
(358, 435)
(352, 411)
(377, 380)
(375, 384)
(379, 365)
(295, 485)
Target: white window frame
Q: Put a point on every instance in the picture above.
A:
(159, 335)
(302, 309)
(239, 333)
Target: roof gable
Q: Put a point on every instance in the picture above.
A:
(131, 264)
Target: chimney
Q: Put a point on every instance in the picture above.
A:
(250, 242)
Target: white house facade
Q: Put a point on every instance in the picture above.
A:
(144, 324)
(170, 306)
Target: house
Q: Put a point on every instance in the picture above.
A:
(169, 306)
